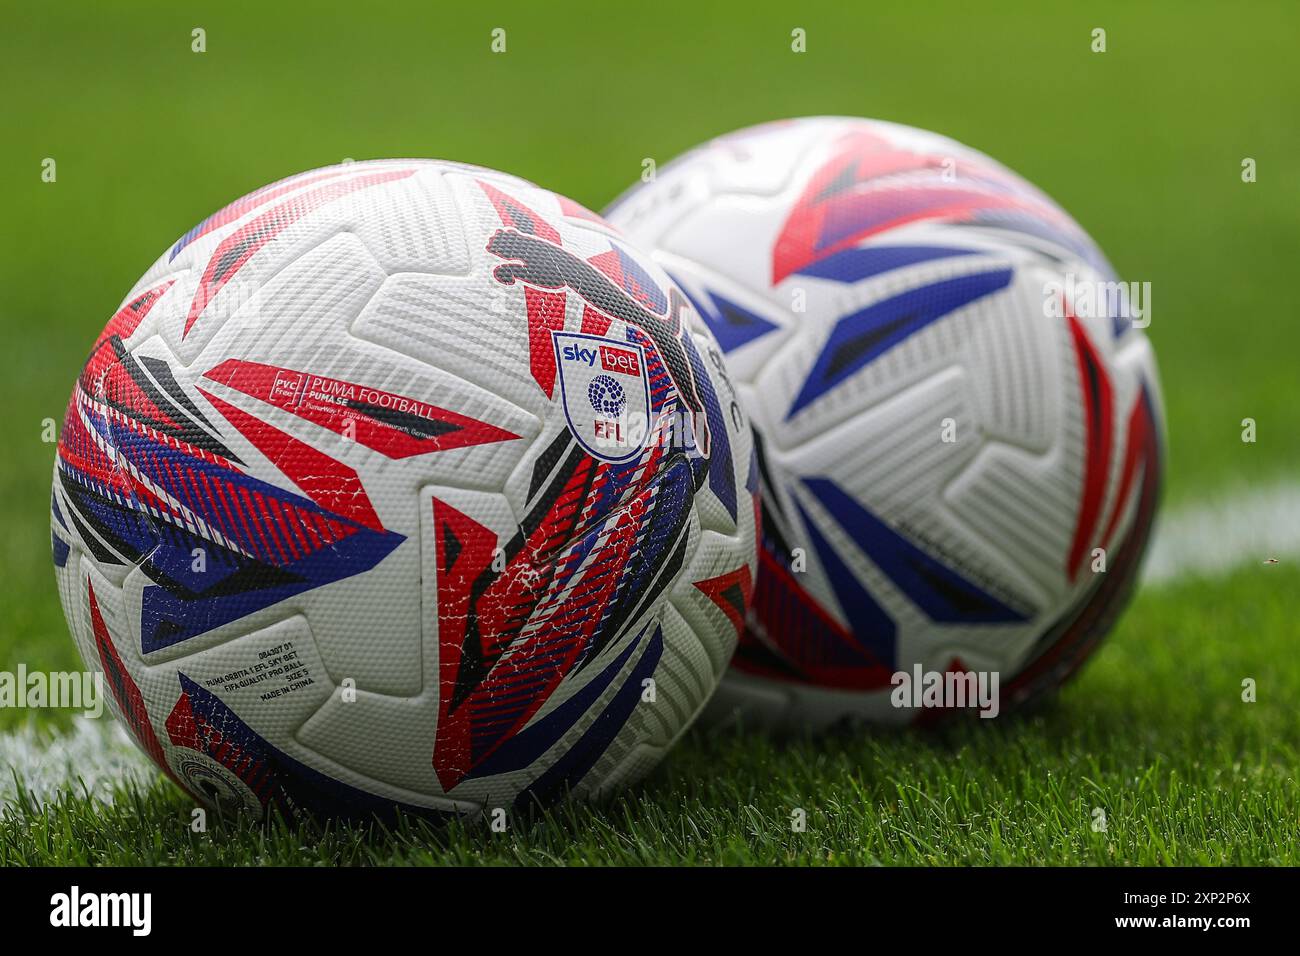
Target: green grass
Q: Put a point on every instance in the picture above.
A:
(1144, 145)
(1154, 733)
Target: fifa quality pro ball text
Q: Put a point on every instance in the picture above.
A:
(957, 418)
(365, 499)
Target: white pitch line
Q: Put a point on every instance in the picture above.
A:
(1233, 529)
(98, 752)
(1206, 540)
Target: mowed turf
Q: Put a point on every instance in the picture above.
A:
(1143, 143)
(1154, 735)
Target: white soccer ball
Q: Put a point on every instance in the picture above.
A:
(367, 499)
(957, 414)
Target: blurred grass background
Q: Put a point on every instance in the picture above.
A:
(1142, 143)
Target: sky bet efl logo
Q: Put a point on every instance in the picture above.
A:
(605, 392)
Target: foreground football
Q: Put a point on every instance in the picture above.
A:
(368, 497)
(958, 427)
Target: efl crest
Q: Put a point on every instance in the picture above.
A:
(606, 394)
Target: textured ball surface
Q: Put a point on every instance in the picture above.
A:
(959, 430)
(337, 516)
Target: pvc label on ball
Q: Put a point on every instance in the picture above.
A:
(605, 392)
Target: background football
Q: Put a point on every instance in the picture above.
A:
(343, 510)
(959, 438)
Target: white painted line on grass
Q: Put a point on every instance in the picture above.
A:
(96, 752)
(1231, 530)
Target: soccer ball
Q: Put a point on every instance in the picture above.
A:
(957, 415)
(349, 509)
